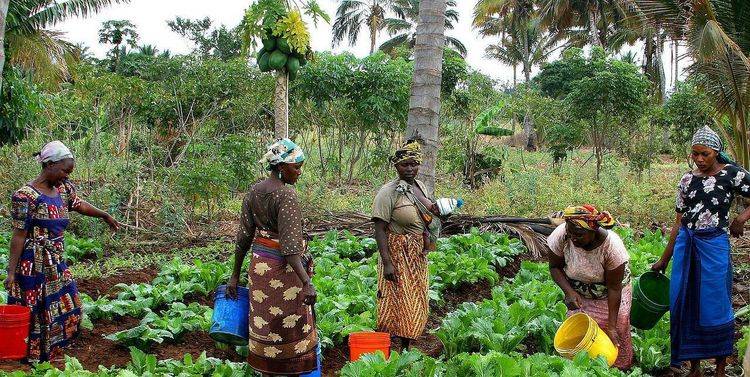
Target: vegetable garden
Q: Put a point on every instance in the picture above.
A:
(508, 333)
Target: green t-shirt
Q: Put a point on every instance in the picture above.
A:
(397, 210)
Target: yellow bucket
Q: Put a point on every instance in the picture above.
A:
(581, 333)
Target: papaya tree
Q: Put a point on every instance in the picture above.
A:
(277, 26)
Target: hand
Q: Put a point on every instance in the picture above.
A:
(113, 224)
(660, 266)
(612, 334)
(737, 228)
(573, 300)
(309, 294)
(10, 280)
(232, 287)
(389, 272)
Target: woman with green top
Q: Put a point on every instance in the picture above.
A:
(405, 228)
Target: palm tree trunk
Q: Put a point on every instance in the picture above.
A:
(373, 33)
(424, 102)
(3, 13)
(594, 25)
(281, 106)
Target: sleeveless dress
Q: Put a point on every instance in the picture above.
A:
(43, 281)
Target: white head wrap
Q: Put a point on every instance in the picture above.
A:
(54, 151)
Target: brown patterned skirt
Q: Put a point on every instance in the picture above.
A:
(403, 305)
(283, 338)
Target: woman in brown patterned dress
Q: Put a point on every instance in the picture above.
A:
(402, 213)
(283, 339)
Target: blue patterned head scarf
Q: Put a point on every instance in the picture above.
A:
(708, 137)
(283, 151)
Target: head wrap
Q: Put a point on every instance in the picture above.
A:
(283, 151)
(588, 217)
(410, 151)
(54, 151)
(708, 137)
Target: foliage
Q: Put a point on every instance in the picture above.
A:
(401, 28)
(413, 363)
(170, 324)
(221, 43)
(78, 248)
(687, 110)
(22, 104)
(607, 95)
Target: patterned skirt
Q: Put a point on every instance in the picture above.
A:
(283, 337)
(44, 283)
(598, 309)
(403, 305)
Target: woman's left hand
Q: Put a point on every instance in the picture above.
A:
(737, 228)
(113, 224)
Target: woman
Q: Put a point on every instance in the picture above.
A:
(283, 338)
(404, 230)
(702, 321)
(590, 264)
(37, 274)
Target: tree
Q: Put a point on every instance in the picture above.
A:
(609, 101)
(280, 19)
(29, 44)
(117, 32)
(687, 110)
(352, 15)
(3, 14)
(717, 36)
(221, 43)
(402, 26)
(424, 103)
(600, 18)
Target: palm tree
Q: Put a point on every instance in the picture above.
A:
(32, 47)
(424, 102)
(717, 37)
(352, 15)
(148, 50)
(529, 47)
(407, 15)
(600, 18)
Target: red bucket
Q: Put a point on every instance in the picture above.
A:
(14, 330)
(368, 342)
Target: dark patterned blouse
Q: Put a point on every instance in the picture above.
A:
(704, 201)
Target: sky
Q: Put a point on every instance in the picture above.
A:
(150, 18)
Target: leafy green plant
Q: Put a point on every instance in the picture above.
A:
(141, 336)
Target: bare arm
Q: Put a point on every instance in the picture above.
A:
(613, 279)
(663, 262)
(385, 256)
(245, 236)
(85, 208)
(17, 241)
(307, 288)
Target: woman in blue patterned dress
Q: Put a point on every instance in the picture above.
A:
(37, 274)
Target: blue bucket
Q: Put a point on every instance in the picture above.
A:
(230, 319)
(315, 373)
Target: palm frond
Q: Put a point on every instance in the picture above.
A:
(30, 15)
(457, 45)
(44, 54)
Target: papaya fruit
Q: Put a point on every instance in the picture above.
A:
(293, 75)
(277, 60)
(264, 62)
(292, 64)
(261, 52)
(269, 42)
(283, 46)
